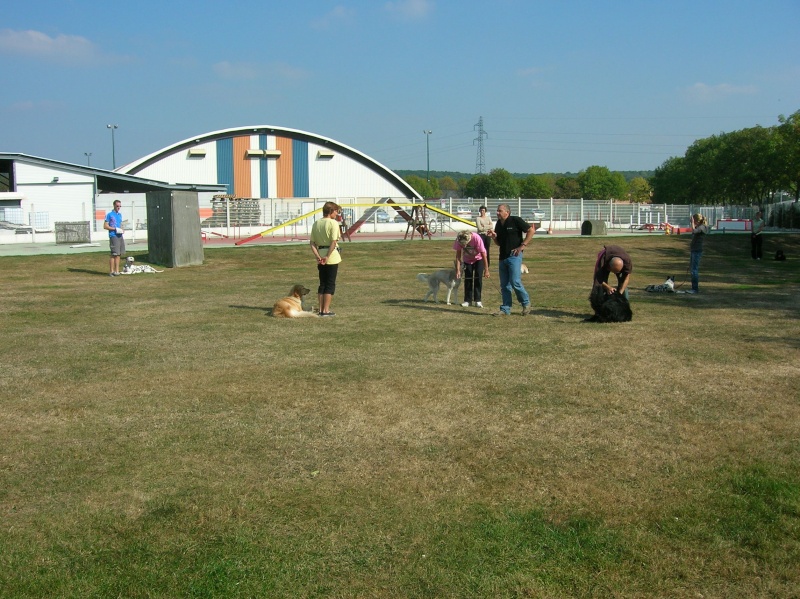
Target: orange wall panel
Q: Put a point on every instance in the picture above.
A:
(285, 172)
(241, 167)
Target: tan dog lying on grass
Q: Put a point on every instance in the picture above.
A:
(292, 306)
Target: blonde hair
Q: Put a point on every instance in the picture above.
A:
(464, 237)
(699, 218)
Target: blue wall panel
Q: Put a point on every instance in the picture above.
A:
(225, 162)
(300, 168)
(263, 172)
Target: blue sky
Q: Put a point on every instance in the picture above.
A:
(561, 85)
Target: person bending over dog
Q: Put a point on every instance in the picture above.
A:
(613, 259)
(507, 234)
(325, 235)
(610, 304)
(471, 252)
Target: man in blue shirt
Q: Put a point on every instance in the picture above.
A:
(113, 224)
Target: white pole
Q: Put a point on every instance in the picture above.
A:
(133, 220)
(31, 219)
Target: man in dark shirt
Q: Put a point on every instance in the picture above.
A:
(613, 259)
(507, 234)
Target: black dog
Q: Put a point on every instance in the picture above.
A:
(779, 255)
(609, 307)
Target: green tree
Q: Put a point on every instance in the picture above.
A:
(423, 188)
(449, 187)
(535, 186)
(789, 154)
(567, 188)
(477, 186)
(639, 190)
(502, 184)
(669, 182)
(748, 165)
(499, 183)
(599, 183)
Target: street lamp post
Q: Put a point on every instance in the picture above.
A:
(427, 133)
(88, 158)
(113, 148)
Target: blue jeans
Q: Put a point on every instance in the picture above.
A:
(694, 268)
(511, 278)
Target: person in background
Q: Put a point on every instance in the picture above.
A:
(472, 253)
(507, 234)
(325, 234)
(699, 231)
(483, 223)
(113, 224)
(756, 241)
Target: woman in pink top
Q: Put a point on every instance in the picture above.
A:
(471, 251)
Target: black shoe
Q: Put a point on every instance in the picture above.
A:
(327, 313)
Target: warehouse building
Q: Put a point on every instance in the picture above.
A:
(282, 173)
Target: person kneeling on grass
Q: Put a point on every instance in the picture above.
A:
(612, 259)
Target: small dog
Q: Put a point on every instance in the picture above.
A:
(444, 276)
(611, 307)
(667, 286)
(133, 269)
(523, 270)
(779, 255)
(292, 306)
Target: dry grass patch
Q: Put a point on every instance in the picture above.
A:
(163, 436)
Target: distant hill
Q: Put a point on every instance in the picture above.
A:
(459, 176)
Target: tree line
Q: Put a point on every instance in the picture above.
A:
(751, 166)
(594, 183)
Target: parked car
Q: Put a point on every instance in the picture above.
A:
(382, 216)
(538, 215)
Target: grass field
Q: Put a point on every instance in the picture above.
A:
(161, 436)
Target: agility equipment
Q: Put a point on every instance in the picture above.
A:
(371, 208)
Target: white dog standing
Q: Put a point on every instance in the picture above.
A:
(444, 276)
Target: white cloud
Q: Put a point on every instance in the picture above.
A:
(339, 15)
(249, 71)
(63, 49)
(530, 71)
(410, 9)
(533, 76)
(31, 106)
(236, 71)
(702, 92)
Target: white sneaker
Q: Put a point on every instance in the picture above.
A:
(465, 304)
(478, 305)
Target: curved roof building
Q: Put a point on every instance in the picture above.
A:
(266, 161)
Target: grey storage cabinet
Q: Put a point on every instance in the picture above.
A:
(173, 228)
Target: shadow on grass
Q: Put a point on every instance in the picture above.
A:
(103, 273)
(266, 311)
